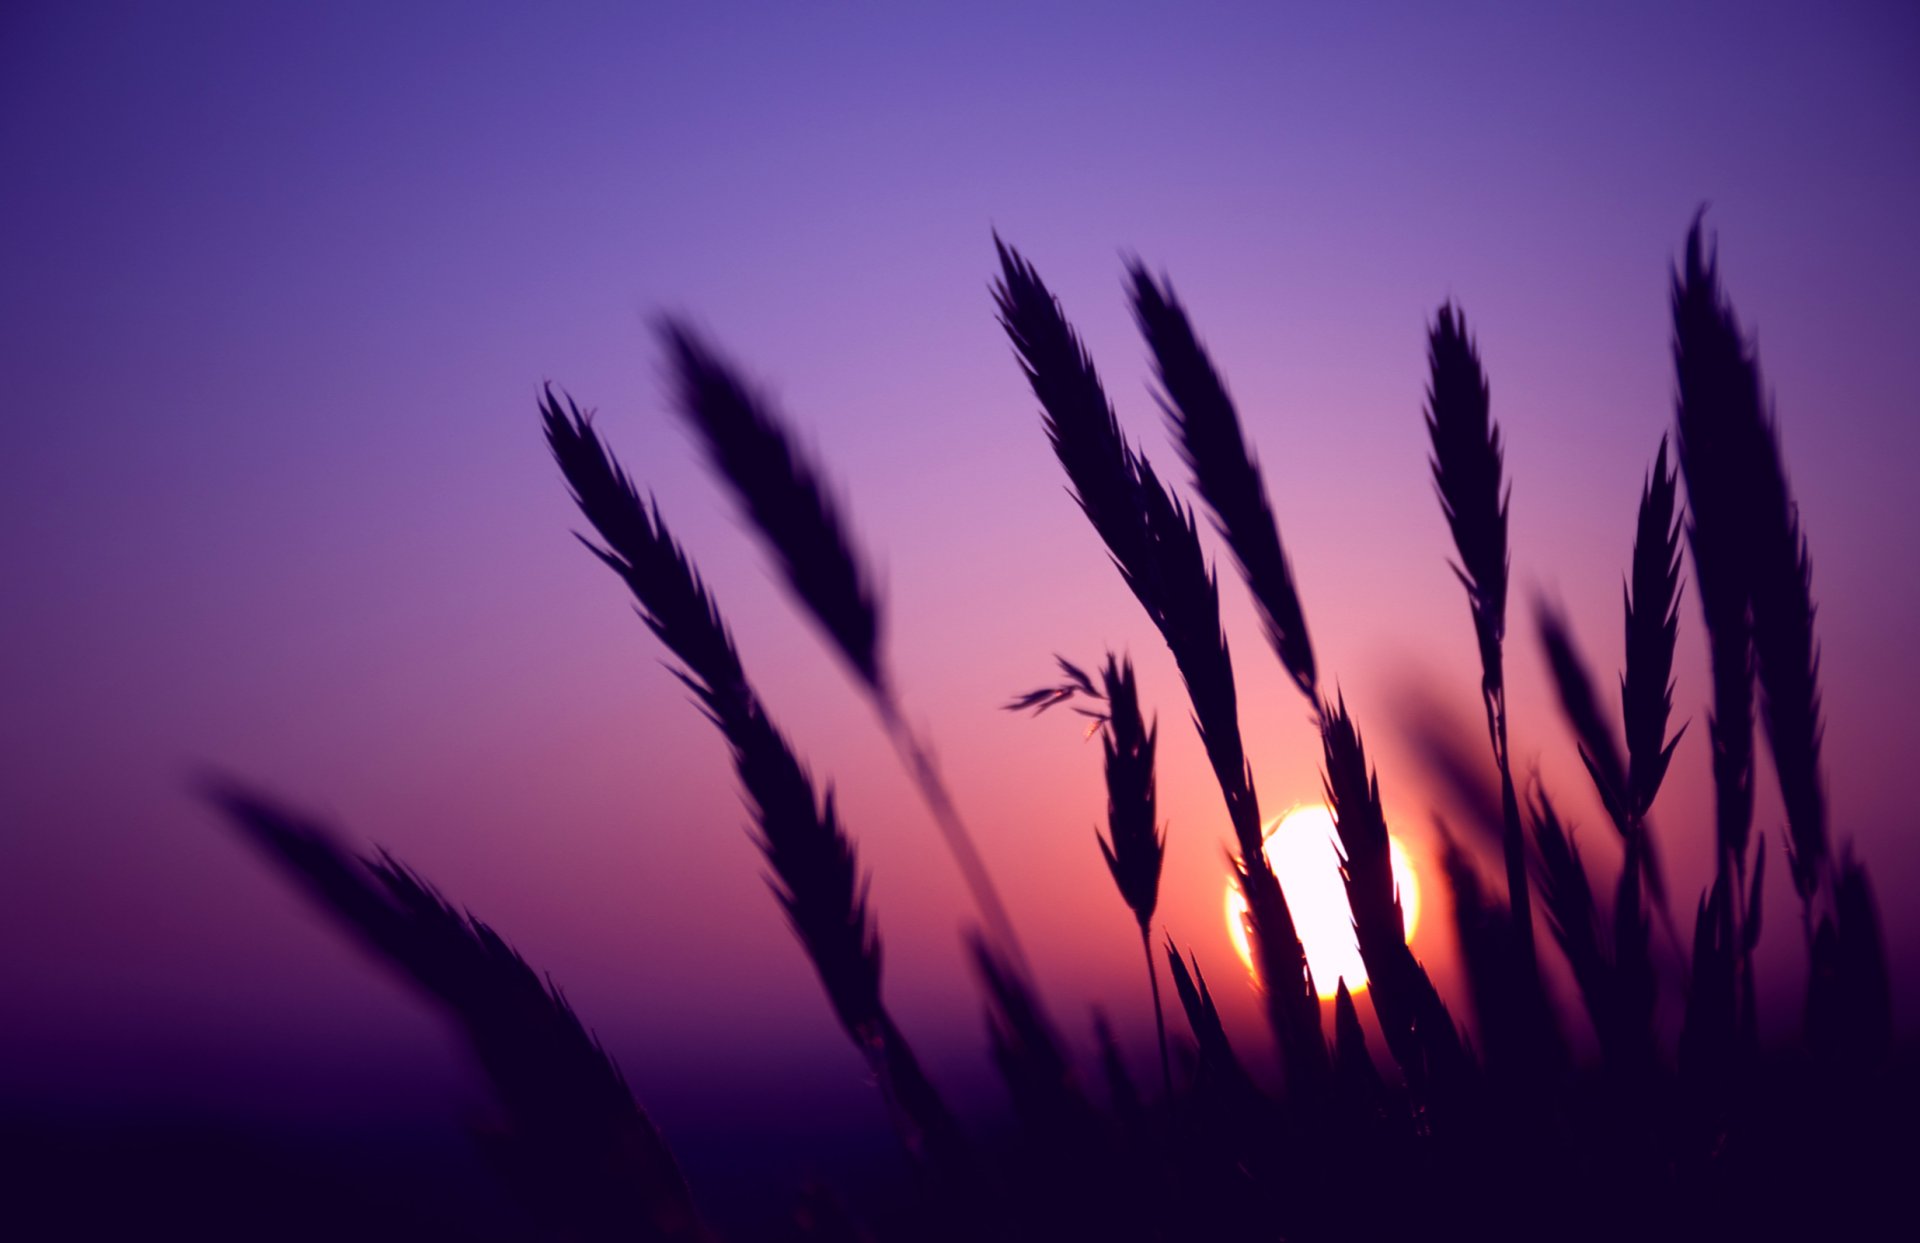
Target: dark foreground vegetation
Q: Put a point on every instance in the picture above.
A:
(1485, 1125)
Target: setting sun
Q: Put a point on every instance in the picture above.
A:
(1300, 847)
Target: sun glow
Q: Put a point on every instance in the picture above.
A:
(1300, 848)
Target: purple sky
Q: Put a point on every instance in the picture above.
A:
(280, 283)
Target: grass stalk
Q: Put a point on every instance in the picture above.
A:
(786, 501)
(1467, 477)
(1225, 472)
(815, 874)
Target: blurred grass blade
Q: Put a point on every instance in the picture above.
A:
(1598, 748)
(1850, 1006)
(576, 1142)
(787, 502)
(782, 493)
(1225, 473)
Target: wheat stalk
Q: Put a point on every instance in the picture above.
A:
(1225, 472)
(816, 876)
(1152, 541)
(790, 508)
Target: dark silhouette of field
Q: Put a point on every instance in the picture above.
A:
(1484, 1121)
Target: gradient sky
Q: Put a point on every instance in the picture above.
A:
(281, 282)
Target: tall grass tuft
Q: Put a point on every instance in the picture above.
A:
(589, 1162)
(816, 877)
(1467, 476)
(1152, 540)
(785, 499)
(1225, 472)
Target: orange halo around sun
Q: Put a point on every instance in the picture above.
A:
(1300, 848)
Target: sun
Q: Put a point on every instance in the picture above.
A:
(1300, 848)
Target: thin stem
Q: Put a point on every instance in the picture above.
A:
(1517, 894)
(1743, 955)
(1159, 1017)
(973, 869)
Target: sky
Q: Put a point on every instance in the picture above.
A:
(283, 282)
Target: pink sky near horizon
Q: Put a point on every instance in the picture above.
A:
(282, 286)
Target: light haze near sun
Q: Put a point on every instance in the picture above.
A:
(1300, 847)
